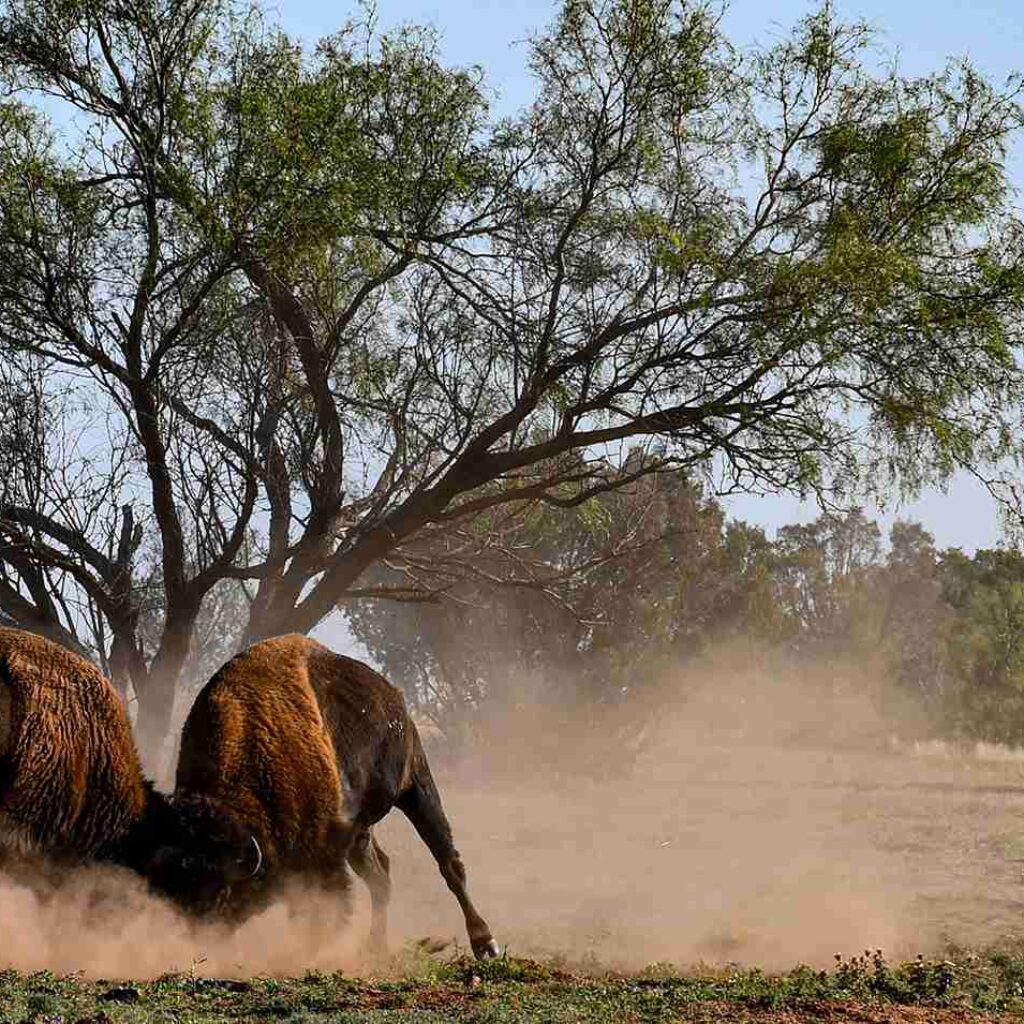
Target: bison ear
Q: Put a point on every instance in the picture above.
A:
(249, 861)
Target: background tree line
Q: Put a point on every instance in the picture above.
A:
(275, 315)
(668, 578)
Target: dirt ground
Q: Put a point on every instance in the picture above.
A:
(855, 1013)
(771, 818)
(773, 857)
(845, 1013)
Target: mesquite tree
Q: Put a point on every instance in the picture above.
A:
(270, 317)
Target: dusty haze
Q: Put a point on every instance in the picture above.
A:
(771, 817)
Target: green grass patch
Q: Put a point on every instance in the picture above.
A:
(511, 990)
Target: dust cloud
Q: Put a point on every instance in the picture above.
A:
(759, 814)
(102, 922)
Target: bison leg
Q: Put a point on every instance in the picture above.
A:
(372, 865)
(421, 804)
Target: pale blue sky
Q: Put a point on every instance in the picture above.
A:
(491, 33)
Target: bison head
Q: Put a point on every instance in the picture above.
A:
(208, 853)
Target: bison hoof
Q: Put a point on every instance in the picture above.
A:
(486, 949)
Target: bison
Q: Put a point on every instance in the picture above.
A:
(289, 757)
(71, 786)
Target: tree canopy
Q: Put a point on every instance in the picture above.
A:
(270, 315)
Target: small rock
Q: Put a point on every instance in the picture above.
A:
(121, 994)
(226, 984)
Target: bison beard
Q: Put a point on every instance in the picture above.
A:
(289, 757)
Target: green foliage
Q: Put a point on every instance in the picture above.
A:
(518, 990)
(342, 145)
(986, 649)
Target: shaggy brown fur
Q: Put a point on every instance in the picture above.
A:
(303, 750)
(71, 787)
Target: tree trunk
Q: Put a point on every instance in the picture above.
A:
(153, 721)
(156, 695)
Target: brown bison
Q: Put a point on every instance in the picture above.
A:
(71, 787)
(288, 758)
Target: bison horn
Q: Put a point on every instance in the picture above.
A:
(259, 858)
